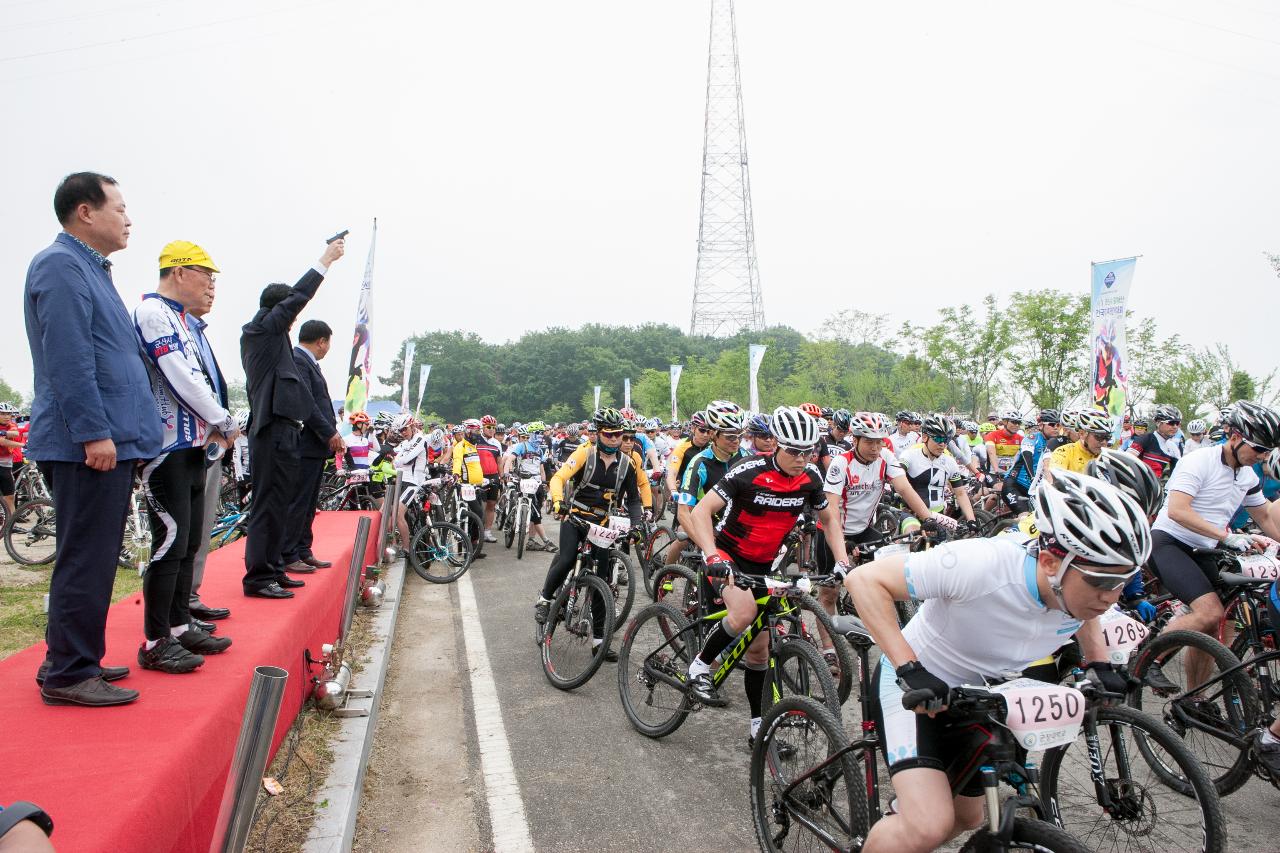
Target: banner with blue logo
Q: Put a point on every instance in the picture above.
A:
(361, 363)
(1109, 296)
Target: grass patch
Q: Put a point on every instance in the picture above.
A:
(302, 763)
(22, 592)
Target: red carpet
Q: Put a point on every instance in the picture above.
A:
(150, 776)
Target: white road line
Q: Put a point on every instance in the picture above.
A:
(506, 808)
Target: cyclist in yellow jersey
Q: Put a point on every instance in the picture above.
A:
(1094, 429)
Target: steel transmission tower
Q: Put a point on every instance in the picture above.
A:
(726, 288)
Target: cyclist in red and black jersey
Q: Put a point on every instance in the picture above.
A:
(1162, 447)
(760, 499)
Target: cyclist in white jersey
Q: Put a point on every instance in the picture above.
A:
(930, 469)
(411, 464)
(990, 608)
(906, 436)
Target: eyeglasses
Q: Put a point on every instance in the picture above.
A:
(730, 435)
(629, 436)
(1105, 581)
(803, 453)
(1263, 451)
(209, 273)
(703, 430)
(941, 439)
(610, 433)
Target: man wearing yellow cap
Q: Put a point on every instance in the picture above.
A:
(193, 416)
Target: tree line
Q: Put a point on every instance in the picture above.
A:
(1027, 349)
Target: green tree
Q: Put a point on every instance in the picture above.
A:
(557, 413)
(1242, 386)
(970, 350)
(1050, 352)
(9, 394)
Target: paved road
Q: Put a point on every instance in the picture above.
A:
(589, 781)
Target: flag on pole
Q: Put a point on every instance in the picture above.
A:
(423, 372)
(597, 397)
(409, 346)
(360, 365)
(1108, 297)
(755, 356)
(675, 382)
(626, 393)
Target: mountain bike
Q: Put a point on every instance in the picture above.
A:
(439, 551)
(135, 547)
(811, 786)
(520, 495)
(229, 527)
(580, 621)
(660, 643)
(31, 533)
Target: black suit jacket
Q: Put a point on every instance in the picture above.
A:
(319, 425)
(275, 388)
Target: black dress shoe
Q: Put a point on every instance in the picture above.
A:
(92, 692)
(209, 614)
(207, 627)
(291, 583)
(271, 590)
(300, 568)
(319, 564)
(108, 673)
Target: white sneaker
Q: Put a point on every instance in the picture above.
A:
(489, 537)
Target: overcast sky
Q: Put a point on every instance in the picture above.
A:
(534, 164)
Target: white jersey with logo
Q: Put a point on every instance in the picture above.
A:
(1216, 490)
(411, 460)
(982, 616)
(858, 487)
(929, 477)
(901, 442)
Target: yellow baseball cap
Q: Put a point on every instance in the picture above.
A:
(183, 253)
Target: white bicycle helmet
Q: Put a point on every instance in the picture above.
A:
(1095, 421)
(7, 408)
(399, 422)
(1012, 415)
(1197, 427)
(436, 440)
(724, 415)
(1091, 520)
(1271, 467)
(1070, 419)
(869, 425)
(794, 429)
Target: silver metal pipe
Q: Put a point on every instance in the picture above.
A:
(240, 796)
(354, 572)
(389, 531)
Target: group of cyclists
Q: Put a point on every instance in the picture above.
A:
(1050, 521)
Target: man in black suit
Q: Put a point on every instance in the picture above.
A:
(320, 441)
(278, 402)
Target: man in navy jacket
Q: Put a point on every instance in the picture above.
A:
(92, 418)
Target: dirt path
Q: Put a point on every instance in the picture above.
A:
(420, 792)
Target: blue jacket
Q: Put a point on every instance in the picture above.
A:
(90, 380)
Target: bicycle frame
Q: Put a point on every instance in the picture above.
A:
(1266, 718)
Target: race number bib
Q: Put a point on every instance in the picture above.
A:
(529, 486)
(602, 537)
(1121, 633)
(620, 524)
(1259, 566)
(1041, 715)
(468, 492)
(358, 476)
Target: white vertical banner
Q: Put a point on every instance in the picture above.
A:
(755, 356)
(597, 396)
(409, 346)
(1108, 296)
(626, 393)
(423, 373)
(675, 383)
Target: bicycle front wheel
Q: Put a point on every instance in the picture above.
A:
(522, 526)
(1206, 721)
(577, 632)
(1161, 796)
(805, 793)
(653, 664)
(440, 553)
(1027, 835)
(621, 579)
(31, 533)
(653, 556)
(798, 670)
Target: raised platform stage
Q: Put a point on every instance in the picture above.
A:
(150, 776)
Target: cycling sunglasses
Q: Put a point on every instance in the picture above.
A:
(801, 453)
(1105, 581)
(703, 430)
(941, 439)
(610, 433)
(732, 435)
(1256, 448)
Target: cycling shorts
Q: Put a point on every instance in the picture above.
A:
(6, 481)
(1184, 573)
(917, 740)
(1273, 608)
(822, 555)
(409, 494)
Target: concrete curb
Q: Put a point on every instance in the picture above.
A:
(335, 825)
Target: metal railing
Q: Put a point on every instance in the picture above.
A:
(240, 796)
(354, 572)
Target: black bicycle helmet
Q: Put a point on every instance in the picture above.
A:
(1130, 475)
(606, 417)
